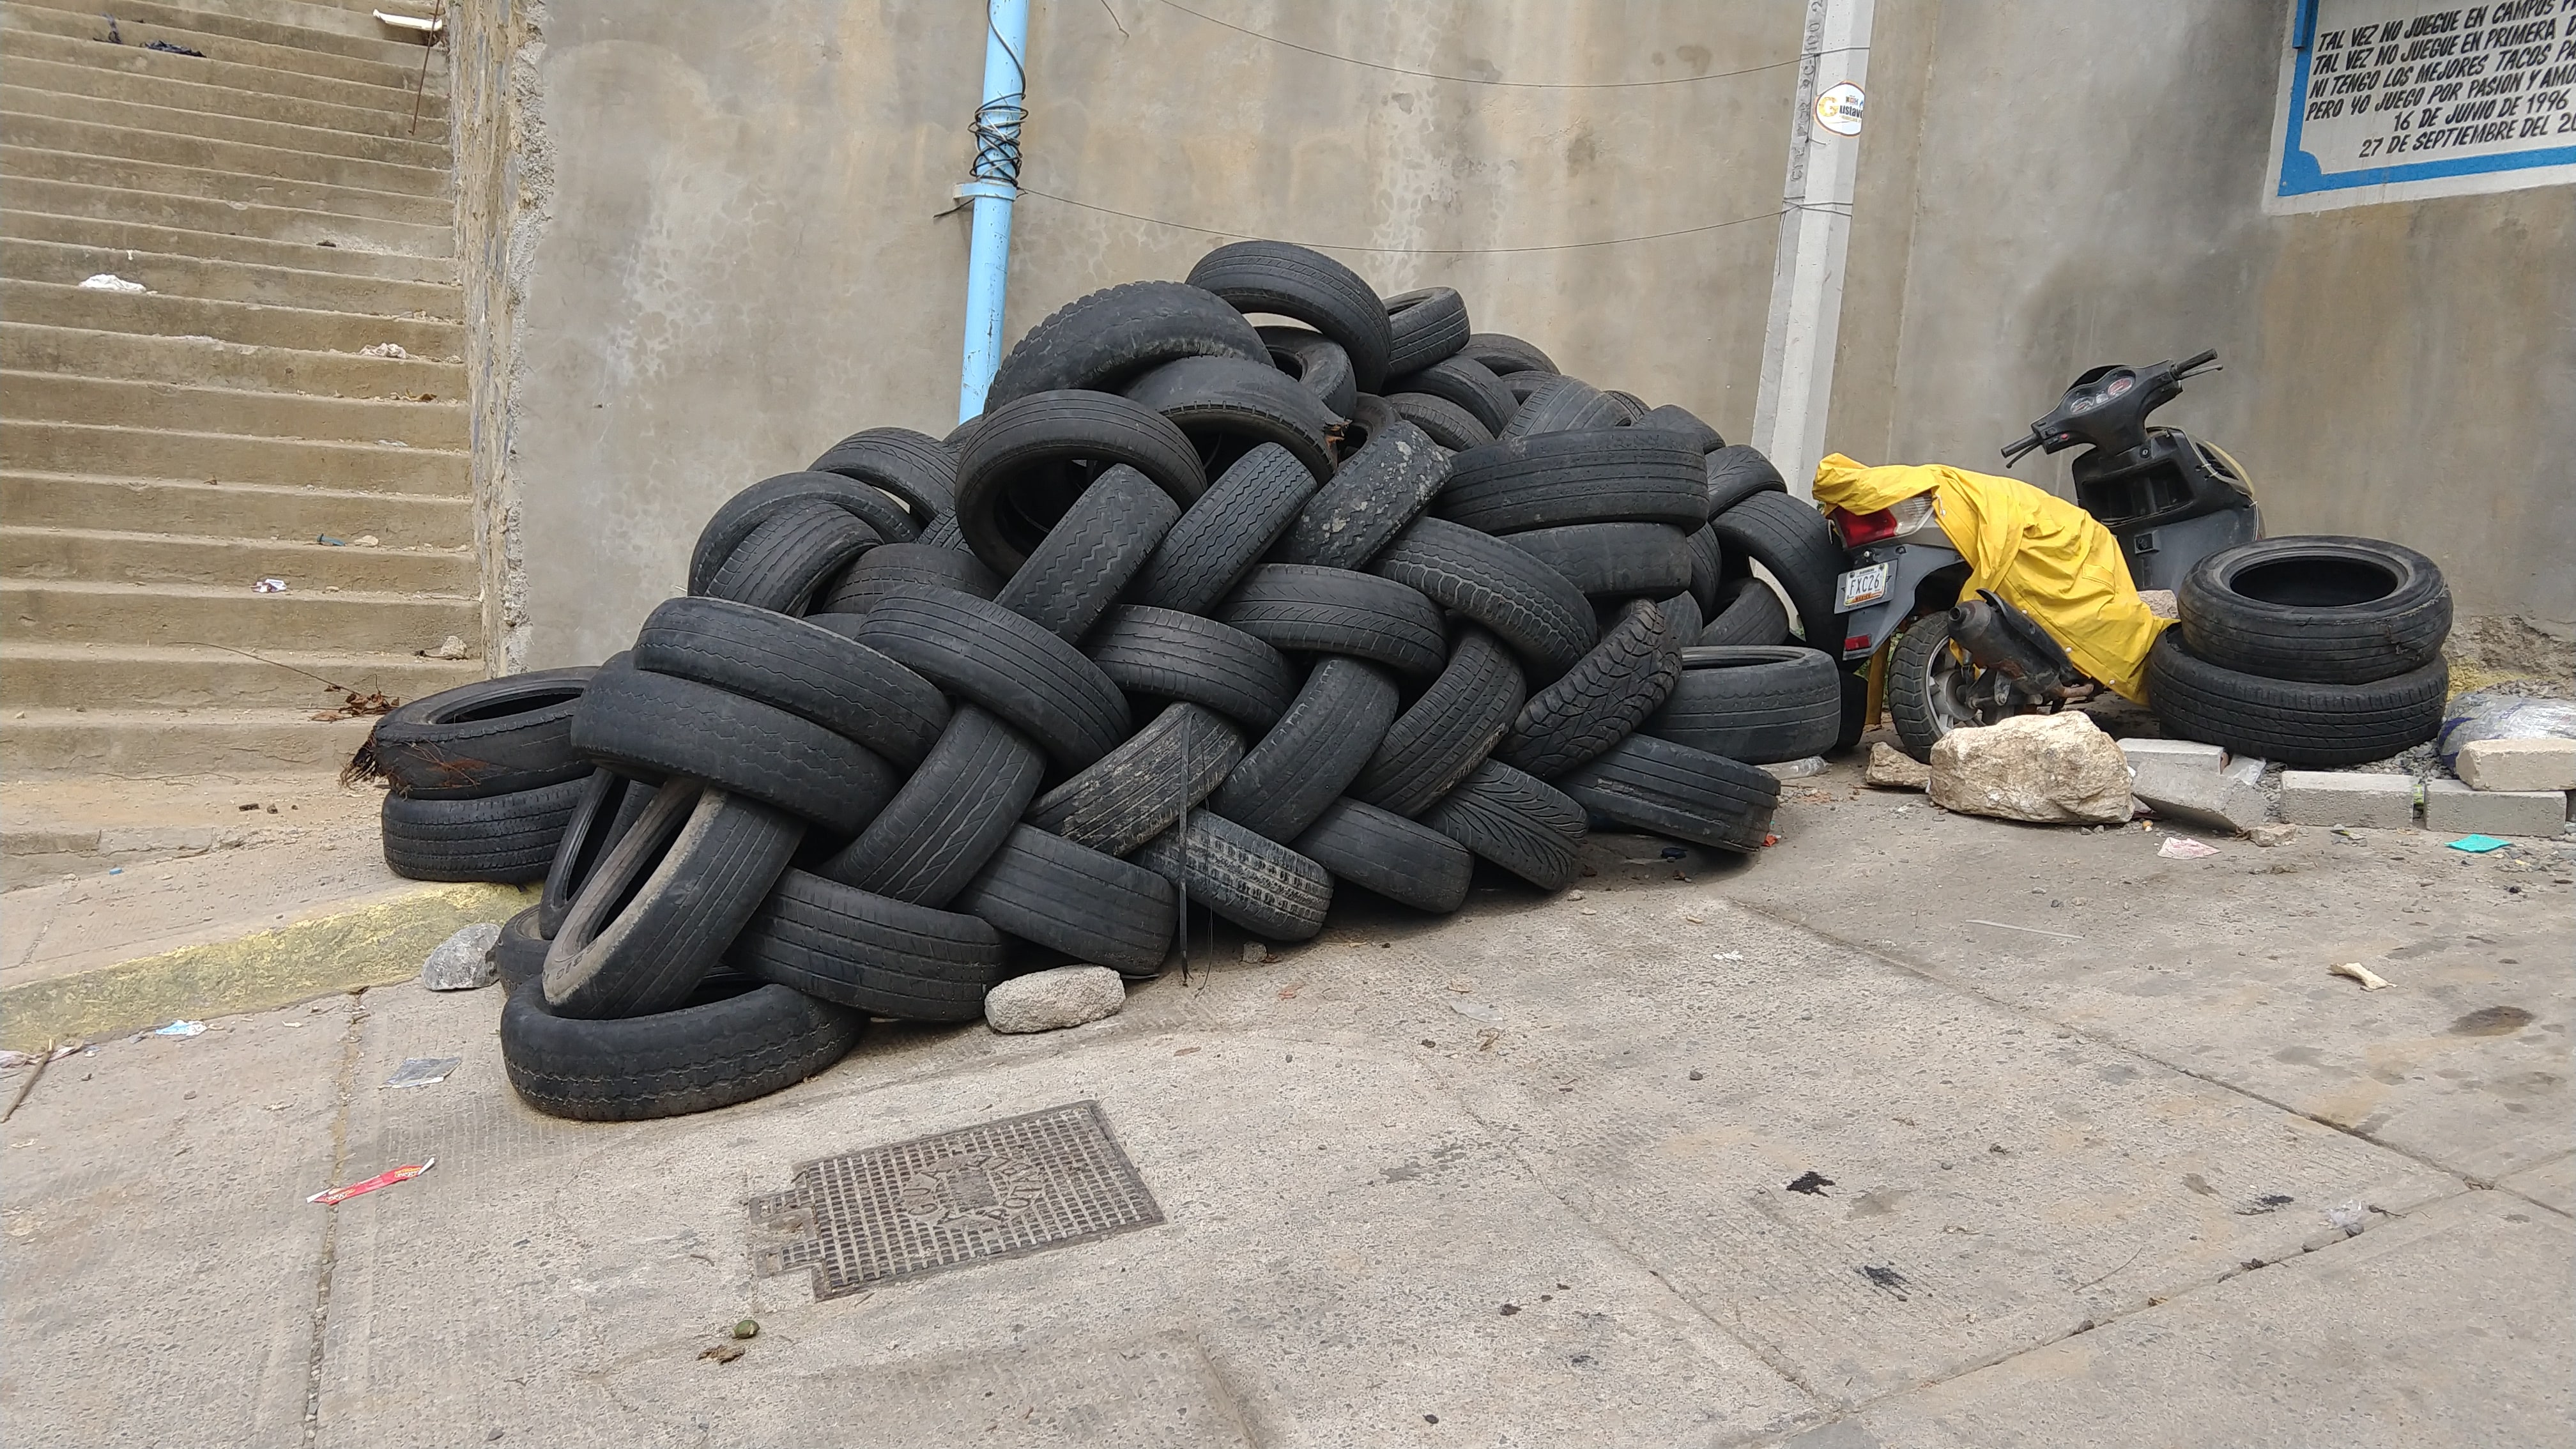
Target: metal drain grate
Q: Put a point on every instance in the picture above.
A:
(995, 1190)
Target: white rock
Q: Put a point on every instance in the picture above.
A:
(463, 962)
(1893, 769)
(1054, 1000)
(2047, 768)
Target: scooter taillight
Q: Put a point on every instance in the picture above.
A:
(1861, 528)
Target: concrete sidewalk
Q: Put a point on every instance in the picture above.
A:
(2094, 1130)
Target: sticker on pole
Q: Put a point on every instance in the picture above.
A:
(1838, 108)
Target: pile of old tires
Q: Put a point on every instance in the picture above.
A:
(1194, 611)
(2307, 650)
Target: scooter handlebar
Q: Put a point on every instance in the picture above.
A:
(2021, 445)
(2195, 361)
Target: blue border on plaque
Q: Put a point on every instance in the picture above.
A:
(2301, 175)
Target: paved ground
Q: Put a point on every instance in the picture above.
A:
(2098, 1128)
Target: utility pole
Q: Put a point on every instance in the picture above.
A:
(1815, 233)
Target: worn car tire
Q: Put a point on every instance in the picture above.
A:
(1465, 383)
(1613, 560)
(654, 725)
(1015, 668)
(797, 666)
(1102, 340)
(1424, 326)
(1447, 731)
(1304, 608)
(1074, 899)
(1748, 612)
(1316, 361)
(2316, 609)
(733, 1041)
(1380, 489)
(1672, 419)
(610, 805)
(519, 955)
(1227, 407)
(1504, 354)
(1032, 457)
(1166, 654)
(1406, 862)
(1760, 705)
(1600, 700)
(1136, 791)
(892, 565)
(490, 737)
(949, 818)
(1615, 475)
(742, 515)
(1257, 883)
(508, 838)
(2294, 722)
(788, 559)
(1313, 753)
(1443, 421)
(1225, 533)
(1673, 790)
(1078, 570)
(1287, 280)
(875, 953)
(1535, 609)
(916, 468)
(1737, 473)
(1515, 820)
(1564, 405)
(1794, 542)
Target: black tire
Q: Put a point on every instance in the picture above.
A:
(1673, 790)
(1615, 475)
(1165, 654)
(491, 737)
(1286, 280)
(1316, 361)
(877, 954)
(660, 910)
(1318, 747)
(949, 818)
(1917, 704)
(1446, 423)
(1448, 731)
(1225, 533)
(1078, 570)
(1748, 612)
(1564, 405)
(1708, 570)
(1071, 898)
(788, 559)
(1425, 326)
(1258, 884)
(653, 726)
(1102, 340)
(736, 1040)
(1613, 560)
(610, 805)
(1301, 607)
(520, 953)
(1515, 820)
(743, 514)
(1377, 850)
(916, 468)
(1755, 704)
(2294, 722)
(1630, 406)
(895, 564)
(1536, 610)
(1136, 791)
(1737, 473)
(1033, 456)
(1227, 407)
(944, 533)
(801, 667)
(1380, 489)
(506, 838)
(2316, 610)
(1681, 613)
(1794, 542)
(1525, 385)
(976, 648)
(1504, 354)
(1600, 700)
(1671, 419)
(1467, 383)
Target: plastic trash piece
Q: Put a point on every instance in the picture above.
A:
(424, 1071)
(181, 1028)
(2503, 714)
(2370, 980)
(333, 1197)
(269, 586)
(111, 282)
(2183, 847)
(2478, 844)
(168, 49)
(324, 538)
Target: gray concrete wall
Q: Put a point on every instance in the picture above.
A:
(737, 260)
(2051, 184)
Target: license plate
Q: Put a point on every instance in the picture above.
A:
(1861, 586)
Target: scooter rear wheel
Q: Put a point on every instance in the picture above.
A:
(1933, 687)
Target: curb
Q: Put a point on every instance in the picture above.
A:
(374, 945)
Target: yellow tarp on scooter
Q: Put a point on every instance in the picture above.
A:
(2038, 552)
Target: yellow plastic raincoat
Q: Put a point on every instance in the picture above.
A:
(2042, 554)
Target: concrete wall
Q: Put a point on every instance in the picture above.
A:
(2051, 184)
(736, 257)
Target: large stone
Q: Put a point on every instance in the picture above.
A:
(2336, 797)
(463, 962)
(2518, 764)
(1893, 769)
(2190, 781)
(2451, 806)
(1054, 1000)
(2052, 769)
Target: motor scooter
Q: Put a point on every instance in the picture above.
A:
(1941, 663)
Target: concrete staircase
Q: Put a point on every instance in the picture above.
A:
(162, 451)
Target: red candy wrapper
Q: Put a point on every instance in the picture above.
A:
(339, 1195)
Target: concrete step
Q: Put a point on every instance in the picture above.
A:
(170, 558)
(41, 73)
(185, 276)
(143, 743)
(232, 510)
(76, 612)
(207, 246)
(47, 447)
(140, 357)
(230, 188)
(253, 81)
(112, 201)
(268, 163)
(422, 150)
(47, 675)
(327, 29)
(272, 417)
(140, 26)
(50, 305)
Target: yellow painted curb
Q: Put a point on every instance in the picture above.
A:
(374, 945)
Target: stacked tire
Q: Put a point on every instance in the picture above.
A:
(1194, 612)
(481, 779)
(2307, 650)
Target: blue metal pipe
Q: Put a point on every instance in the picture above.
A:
(995, 187)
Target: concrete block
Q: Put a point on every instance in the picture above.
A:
(2518, 764)
(2174, 754)
(2329, 797)
(2451, 806)
(2190, 781)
